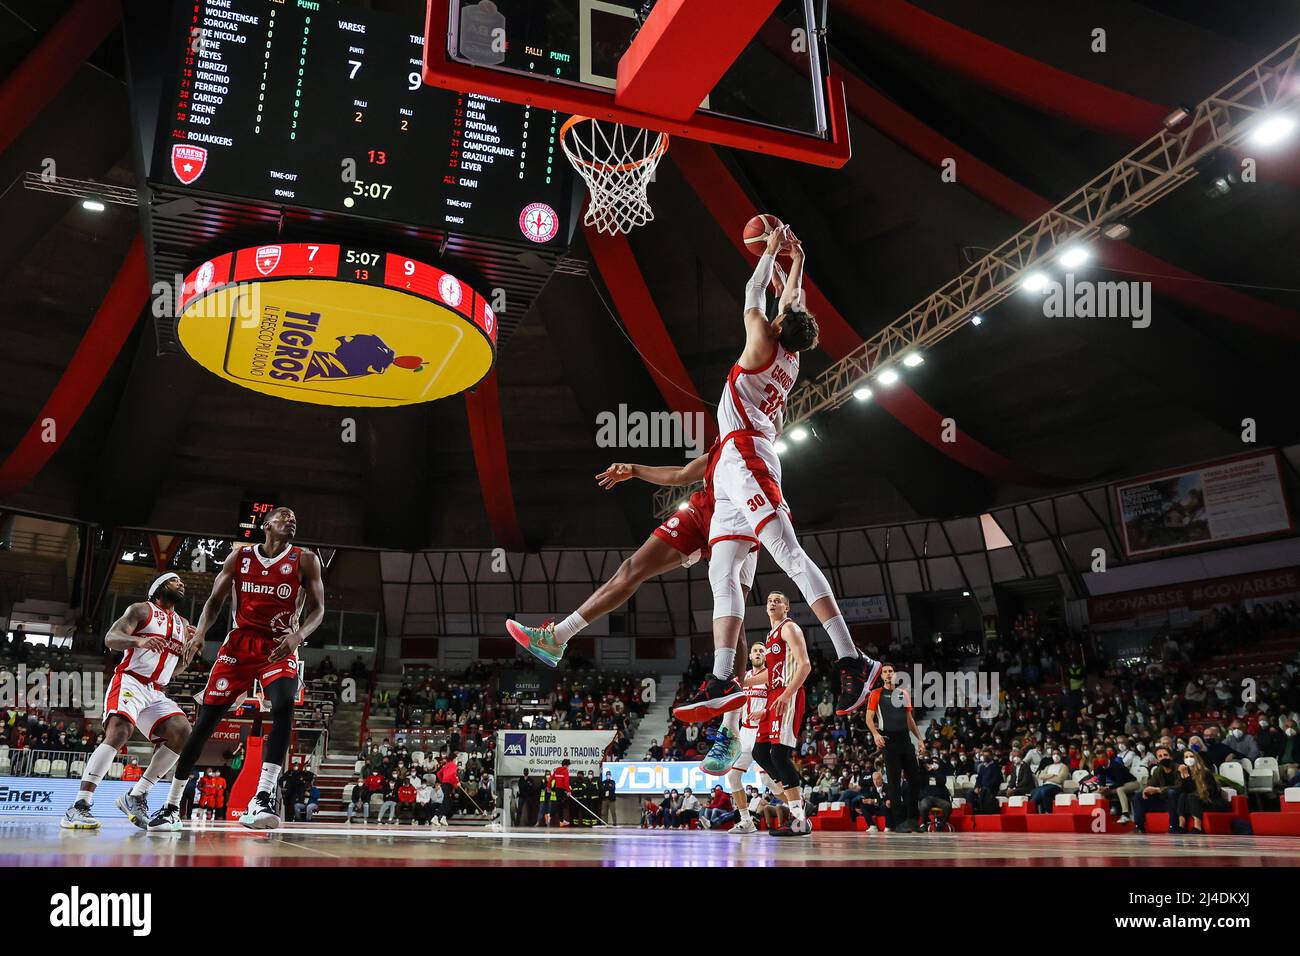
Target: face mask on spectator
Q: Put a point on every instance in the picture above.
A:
(1238, 733)
(1190, 760)
(1056, 758)
(1290, 731)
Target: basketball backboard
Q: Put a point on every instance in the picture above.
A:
(771, 90)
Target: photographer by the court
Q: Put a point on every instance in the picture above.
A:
(891, 708)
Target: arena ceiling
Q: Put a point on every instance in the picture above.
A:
(1039, 404)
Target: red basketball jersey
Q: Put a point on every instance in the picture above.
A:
(267, 591)
(775, 652)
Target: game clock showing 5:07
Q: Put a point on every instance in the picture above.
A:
(252, 512)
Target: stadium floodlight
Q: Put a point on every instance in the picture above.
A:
(862, 393)
(913, 359)
(887, 377)
(1034, 282)
(1272, 129)
(1075, 256)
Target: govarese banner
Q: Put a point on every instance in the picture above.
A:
(41, 796)
(648, 778)
(540, 751)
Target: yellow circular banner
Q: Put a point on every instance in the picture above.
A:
(383, 333)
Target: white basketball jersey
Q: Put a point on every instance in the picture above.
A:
(755, 703)
(150, 665)
(755, 401)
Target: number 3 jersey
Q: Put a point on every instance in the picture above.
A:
(266, 594)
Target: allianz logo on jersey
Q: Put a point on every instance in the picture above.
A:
(282, 591)
(650, 778)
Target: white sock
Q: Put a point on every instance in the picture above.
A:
(731, 722)
(269, 778)
(86, 795)
(796, 809)
(176, 791)
(570, 626)
(841, 638)
(97, 766)
(164, 758)
(744, 814)
(724, 659)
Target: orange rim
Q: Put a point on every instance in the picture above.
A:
(660, 148)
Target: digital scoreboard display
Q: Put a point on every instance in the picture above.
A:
(322, 106)
(252, 512)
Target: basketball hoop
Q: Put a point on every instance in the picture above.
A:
(617, 162)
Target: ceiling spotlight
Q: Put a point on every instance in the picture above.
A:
(977, 319)
(1272, 129)
(1075, 256)
(1116, 230)
(682, 506)
(781, 447)
(887, 377)
(94, 205)
(1177, 118)
(1034, 282)
(965, 594)
(799, 434)
(912, 359)
(862, 393)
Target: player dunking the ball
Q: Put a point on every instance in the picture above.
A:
(270, 586)
(151, 636)
(749, 505)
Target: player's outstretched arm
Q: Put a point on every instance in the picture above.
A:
(792, 289)
(121, 636)
(759, 336)
(654, 474)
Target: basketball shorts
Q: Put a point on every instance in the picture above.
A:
(243, 658)
(142, 704)
(782, 728)
(746, 489)
(687, 532)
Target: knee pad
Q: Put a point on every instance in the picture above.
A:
(724, 577)
(779, 539)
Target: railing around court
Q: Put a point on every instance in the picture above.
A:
(58, 764)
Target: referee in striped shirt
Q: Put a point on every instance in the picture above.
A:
(889, 718)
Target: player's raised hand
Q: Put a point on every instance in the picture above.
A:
(288, 644)
(154, 643)
(193, 645)
(614, 474)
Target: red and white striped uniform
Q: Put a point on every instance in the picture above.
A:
(780, 728)
(750, 716)
(137, 690)
(746, 473)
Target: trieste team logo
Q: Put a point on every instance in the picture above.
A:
(539, 222)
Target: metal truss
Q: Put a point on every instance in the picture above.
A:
(1146, 175)
(81, 188)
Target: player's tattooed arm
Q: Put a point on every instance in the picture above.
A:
(314, 606)
(654, 474)
(121, 636)
(212, 606)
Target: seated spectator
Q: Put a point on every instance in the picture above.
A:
(688, 810)
(1051, 781)
(357, 799)
(1021, 782)
(934, 795)
(1161, 793)
(719, 812)
(983, 796)
(308, 802)
(1201, 794)
(1115, 780)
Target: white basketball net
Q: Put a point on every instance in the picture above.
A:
(617, 162)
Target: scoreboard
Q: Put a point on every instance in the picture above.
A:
(308, 103)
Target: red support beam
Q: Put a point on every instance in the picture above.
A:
(1007, 72)
(488, 438)
(95, 354)
(635, 306)
(683, 50)
(40, 77)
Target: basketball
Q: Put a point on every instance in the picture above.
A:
(757, 231)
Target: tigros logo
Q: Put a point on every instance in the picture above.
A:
(75, 909)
